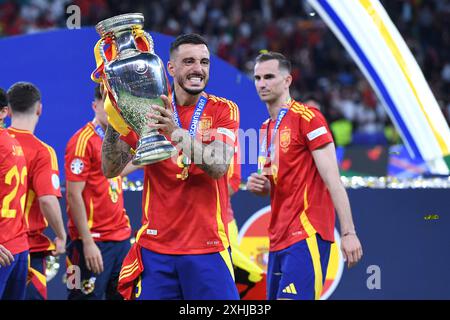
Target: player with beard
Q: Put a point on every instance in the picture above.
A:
(182, 250)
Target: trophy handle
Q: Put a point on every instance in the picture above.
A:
(102, 52)
(140, 34)
(150, 42)
(100, 59)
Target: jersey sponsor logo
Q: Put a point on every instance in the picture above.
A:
(55, 181)
(77, 166)
(152, 232)
(316, 133)
(285, 139)
(303, 111)
(290, 289)
(254, 243)
(227, 132)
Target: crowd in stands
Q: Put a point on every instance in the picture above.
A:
(238, 29)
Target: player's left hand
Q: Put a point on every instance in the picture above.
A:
(165, 121)
(351, 249)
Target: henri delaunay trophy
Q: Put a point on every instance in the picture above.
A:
(134, 75)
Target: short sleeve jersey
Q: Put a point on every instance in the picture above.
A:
(185, 213)
(43, 180)
(13, 188)
(300, 201)
(103, 198)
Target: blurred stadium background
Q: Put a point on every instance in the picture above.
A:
(323, 70)
(403, 223)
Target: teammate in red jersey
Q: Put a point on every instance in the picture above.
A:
(99, 228)
(42, 204)
(13, 232)
(182, 249)
(297, 165)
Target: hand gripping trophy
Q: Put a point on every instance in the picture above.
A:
(134, 78)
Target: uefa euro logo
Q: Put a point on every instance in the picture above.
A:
(140, 67)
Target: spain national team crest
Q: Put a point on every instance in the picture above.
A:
(254, 243)
(204, 126)
(285, 139)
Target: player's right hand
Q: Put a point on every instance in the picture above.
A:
(6, 258)
(258, 183)
(93, 257)
(60, 246)
(351, 249)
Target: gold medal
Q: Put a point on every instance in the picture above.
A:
(261, 164)
(183, 162)
(114, 197)
(186, 161)
(184, 174)
(113, 190)
(88, 286)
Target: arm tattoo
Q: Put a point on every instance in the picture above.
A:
(213, 158)
(115, 153)
(216, 158)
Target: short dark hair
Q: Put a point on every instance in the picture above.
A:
(284, 63)
(3, 98)
(22, 96)
(190, 38)
(97, 93)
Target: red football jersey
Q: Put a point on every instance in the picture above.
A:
(300, 202)
(13, 189)
(103, 198)
(43, 180)
(186, 213)
(234, 177)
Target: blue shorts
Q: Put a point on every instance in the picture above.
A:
(98, 286)
(37, 286)
(299, 271)
(13, 279)
(188, 277)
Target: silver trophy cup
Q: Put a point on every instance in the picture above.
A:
(136, 79)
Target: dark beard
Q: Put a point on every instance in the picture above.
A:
(193, 92)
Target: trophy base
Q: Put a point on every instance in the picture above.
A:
(152, 149)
